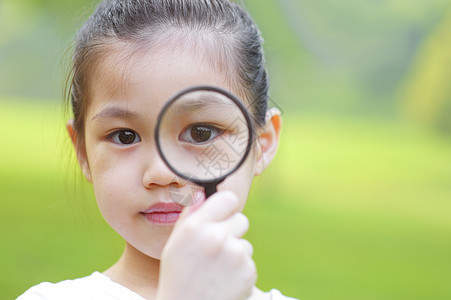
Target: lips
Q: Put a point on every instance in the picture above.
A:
(163, 213)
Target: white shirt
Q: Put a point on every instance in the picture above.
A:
(96, 287)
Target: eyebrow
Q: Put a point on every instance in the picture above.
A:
(193, 104)
(115, 112)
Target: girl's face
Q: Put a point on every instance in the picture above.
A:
(122, 161)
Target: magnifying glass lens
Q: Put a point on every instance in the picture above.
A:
(203, 135)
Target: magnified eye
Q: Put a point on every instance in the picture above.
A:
(124, 137)
(199, 133)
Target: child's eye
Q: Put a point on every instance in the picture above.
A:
(199, 133)
(124, 137)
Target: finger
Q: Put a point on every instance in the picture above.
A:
(240, 250)
(247, 246)
(237, 225)
(218, 207)
(198, 201)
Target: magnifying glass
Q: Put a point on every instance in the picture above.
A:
(204, 134)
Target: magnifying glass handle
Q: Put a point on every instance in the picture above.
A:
(210, 189)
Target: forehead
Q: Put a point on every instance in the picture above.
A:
(151, 76)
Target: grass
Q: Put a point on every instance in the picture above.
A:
(352, 208)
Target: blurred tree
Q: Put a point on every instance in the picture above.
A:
(371, 43)
(34, 34)
(426, 95)
(326, 54)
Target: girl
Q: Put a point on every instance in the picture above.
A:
(130, 57)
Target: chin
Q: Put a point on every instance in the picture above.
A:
(152, 249)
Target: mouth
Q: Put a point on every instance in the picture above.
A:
(163, 213)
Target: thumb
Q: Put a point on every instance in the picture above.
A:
(188, 210)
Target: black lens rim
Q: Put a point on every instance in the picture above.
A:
(225, 93)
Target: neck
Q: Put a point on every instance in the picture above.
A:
(136, 271)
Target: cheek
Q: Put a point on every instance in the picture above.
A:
(116, 188)
(116, 179)
(240, 182)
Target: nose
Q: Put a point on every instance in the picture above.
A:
(157, 174)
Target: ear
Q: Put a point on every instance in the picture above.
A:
(79, 149)
(268, 140)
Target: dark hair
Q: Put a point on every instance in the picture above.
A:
(236, 39)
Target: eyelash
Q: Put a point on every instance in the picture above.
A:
(185, 135)
(116, 138)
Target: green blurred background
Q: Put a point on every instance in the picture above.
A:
(357, 204)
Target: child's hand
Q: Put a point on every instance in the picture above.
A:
(205, 257)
